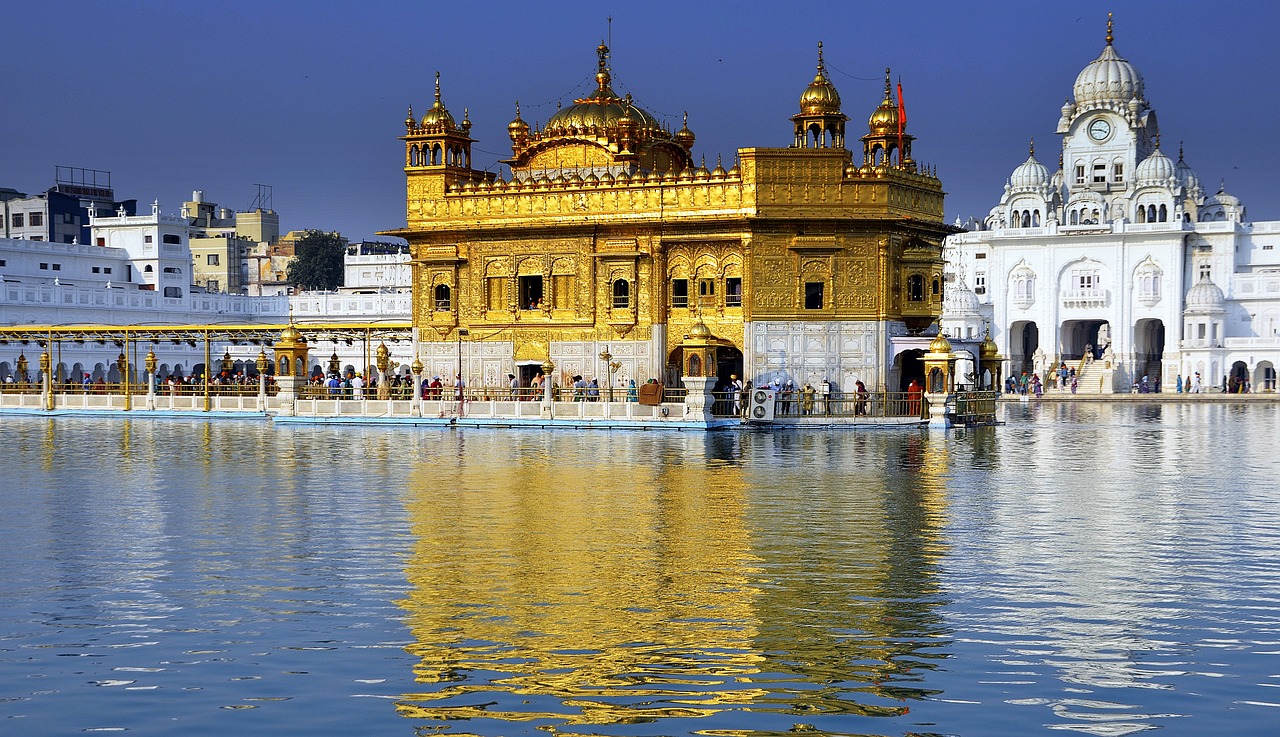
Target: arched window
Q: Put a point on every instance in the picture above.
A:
(1151, 213)
(1142, 214)
(442, 298)
(1075, 217)
(915, 288)
(1164, 214)
(621, 294)
(413, 155)
(937, 287)
(1026, 218)
(1035, 218)
(283, 370)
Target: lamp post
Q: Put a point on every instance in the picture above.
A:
(46, 381)
(606, 357)
(150, 362)
(457, 382)
(383, 362)
(417, 368)
(262, 364)
(548, 389)
(122, 363)
(22, 369)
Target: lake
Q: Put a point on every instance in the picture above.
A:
(1094, 568)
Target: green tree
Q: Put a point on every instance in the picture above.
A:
(317, 262)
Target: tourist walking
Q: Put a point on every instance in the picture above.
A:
(860, 406)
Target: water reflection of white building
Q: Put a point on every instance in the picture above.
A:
(1120, 255)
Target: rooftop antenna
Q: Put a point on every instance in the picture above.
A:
(263, 200)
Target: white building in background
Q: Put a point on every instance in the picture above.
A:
(1118, 264)
(137, 270)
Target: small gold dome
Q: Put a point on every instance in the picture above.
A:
(700, 331)
(940, 344)
(820, 97)
(884, 120)
(290, 337)
(438, 115)
(987, 350)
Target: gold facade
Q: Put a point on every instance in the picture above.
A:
(608, 230)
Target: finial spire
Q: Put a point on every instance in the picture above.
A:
(602, 65)
(1110, 37)
(517, 108)
(821, 67)
(1157, 141)
(1179, 150)
(1033, 148)
(437, 88)
(888, 85)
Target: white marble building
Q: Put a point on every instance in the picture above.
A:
(138, 272)
(1118, 263)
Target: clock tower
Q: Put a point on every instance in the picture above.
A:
(1107, 130)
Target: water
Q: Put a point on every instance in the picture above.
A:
(1094, 569)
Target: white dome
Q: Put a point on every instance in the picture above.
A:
(1205, 296)
(1186, 177)
(1222, 199)
(1029, 174)
(1109, 78)
(961, 302)
(1155, 168)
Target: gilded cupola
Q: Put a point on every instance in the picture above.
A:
(437, 118)
(599, 133)
(887, 143)
(819, 124)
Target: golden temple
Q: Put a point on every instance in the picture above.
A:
(609, 236)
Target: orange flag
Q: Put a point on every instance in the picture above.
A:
(902, 123)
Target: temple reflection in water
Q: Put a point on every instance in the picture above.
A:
(544, 591)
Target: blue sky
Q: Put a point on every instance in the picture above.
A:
(309, 97)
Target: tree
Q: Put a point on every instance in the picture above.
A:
(317, 261)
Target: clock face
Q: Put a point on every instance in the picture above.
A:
(1099, 129)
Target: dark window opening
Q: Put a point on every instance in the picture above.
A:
(173, 291)
(531, 292)
(679, 292)
(813, 295)
(915, 288)
(442, 296)
(733, 291)
(621, 294)
(172, 238)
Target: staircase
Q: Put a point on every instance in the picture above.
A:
(1094, 378)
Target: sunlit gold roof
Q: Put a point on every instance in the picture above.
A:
(820, 97)
(884, 120)
(940, 344)
(438, 115)
(603, 108)
(987, 350)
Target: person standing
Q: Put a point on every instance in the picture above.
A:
(860, 406)
(515, 386)
(826, 396)
(806, 399)
(1196, 386)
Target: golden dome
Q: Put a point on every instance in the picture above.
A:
(438, 115)
(884, 120)
(290, 337)
(940, 344)
(684, 136)
(409, 119)
(700, 331)
(820, 97)
(987, 350)
(602, 108)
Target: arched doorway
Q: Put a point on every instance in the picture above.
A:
(909, 367)
(1079, 335)
(1238, 378)
(1148, 336)
(1264, 377)
(1024, 339)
